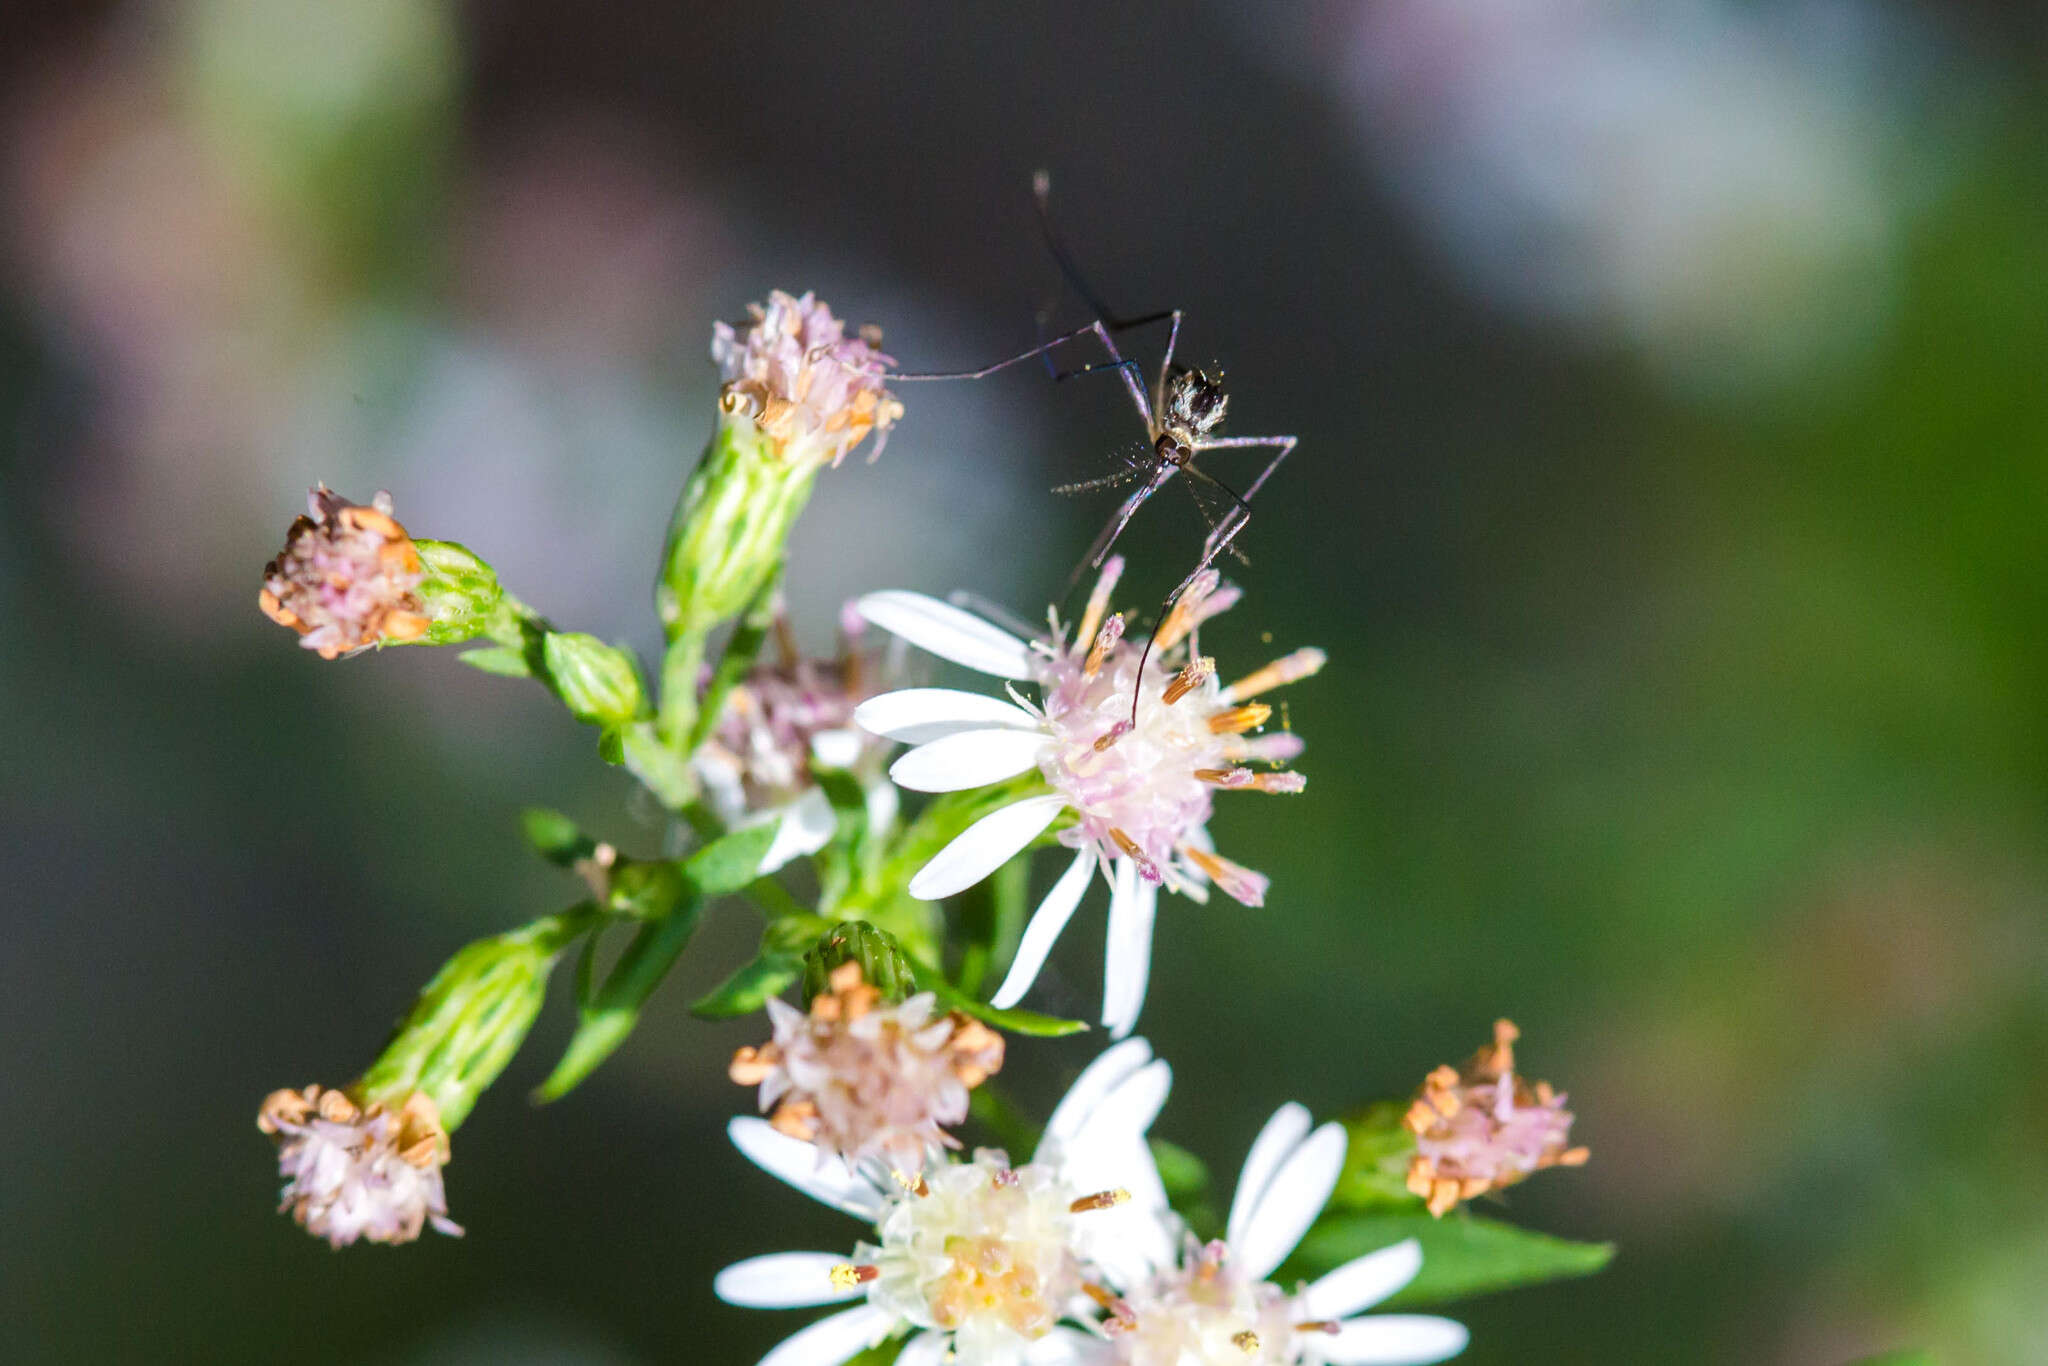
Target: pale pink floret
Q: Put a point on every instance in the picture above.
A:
(862, 1078)
(355, 1171)
(346, 577)
(1485, 1127)
(814, 390)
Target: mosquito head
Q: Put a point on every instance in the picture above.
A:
(1194, 402)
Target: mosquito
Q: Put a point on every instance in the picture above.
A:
(1182, 412)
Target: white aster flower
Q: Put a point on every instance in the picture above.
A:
(1218, 1307)
(1139, 791)
(978, 1260)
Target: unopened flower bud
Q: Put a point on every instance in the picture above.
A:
(347, 577)
(874, 952)
(598, 683)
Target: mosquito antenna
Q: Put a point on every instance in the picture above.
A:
(1107, 481)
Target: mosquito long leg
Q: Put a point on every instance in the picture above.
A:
(1043, 348)
(1099, 551)
(1286, 446)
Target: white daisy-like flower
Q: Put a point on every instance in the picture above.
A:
(1218, 1307)
(1138, 782)
(979, 1261)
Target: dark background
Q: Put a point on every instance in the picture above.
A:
(1669, 500)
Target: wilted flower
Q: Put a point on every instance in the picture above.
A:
(981, 1258)
(815, 391)
(354, 1171)
(1217, 1307)
(1139, 790)
(1485, 1128)
(346, 578)
(780, 726)
(862, 1078)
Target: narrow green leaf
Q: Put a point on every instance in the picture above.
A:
(1462, 1254)
(1027, 1022)
(555, 837)
(732, 861)
(609, 1016)
(1902, 1358)
(502, 660)
(748, 989)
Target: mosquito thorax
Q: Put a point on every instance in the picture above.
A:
(1192, 405)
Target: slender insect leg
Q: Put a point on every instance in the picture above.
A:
(1285, 443)
(1041, 349)
(1114, 528)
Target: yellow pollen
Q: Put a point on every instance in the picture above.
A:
(846, 1275)
(1246, 1342)
(1108, 1199)
(1238, 720)
(1098, 598)
(1290, 668)
(914, 1184)
(1192, 676)
(1319, 1326)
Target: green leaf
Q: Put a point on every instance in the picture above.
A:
(609, 1014)
(1911, 1357)
(730, 862)
(1462, 1254)
(502, 660)
(748, 989)
(555, 837)
(1027, 1022)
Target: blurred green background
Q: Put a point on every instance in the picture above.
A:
(1670, 381)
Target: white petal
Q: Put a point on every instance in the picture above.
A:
(1281, 1135)
(985, 846)
(926, 1349)
(839, 748)
(1127, 961)
(1129, 1108)
(793, 1160)
(971, 758)
(1363, 1282)
(831, 1341)
(1097, 1080)
(1065, 1346)
(1293, 1199)
(783, 1280)
(1392, 1340)
(947, 632)
(916, 715)
(807, 826)
(1044, 930)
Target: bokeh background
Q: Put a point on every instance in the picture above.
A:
(1670, 380)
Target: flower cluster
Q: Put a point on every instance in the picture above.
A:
(861, 1078)
(1485, 1127)
(1108, 742)
(354, 1171)
(815, 391)
(347, 577)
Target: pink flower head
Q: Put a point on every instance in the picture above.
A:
(346, 576)
(794, 372)
(359, 1172)
(1486, 1127)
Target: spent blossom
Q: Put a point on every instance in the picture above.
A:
(1218, 1306)
(347, 577)
(359, 1171)
(1485, 1128)
(1138, 791)
(862, 1078)
(793, 371)
(979, 1260)
(784, 722)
